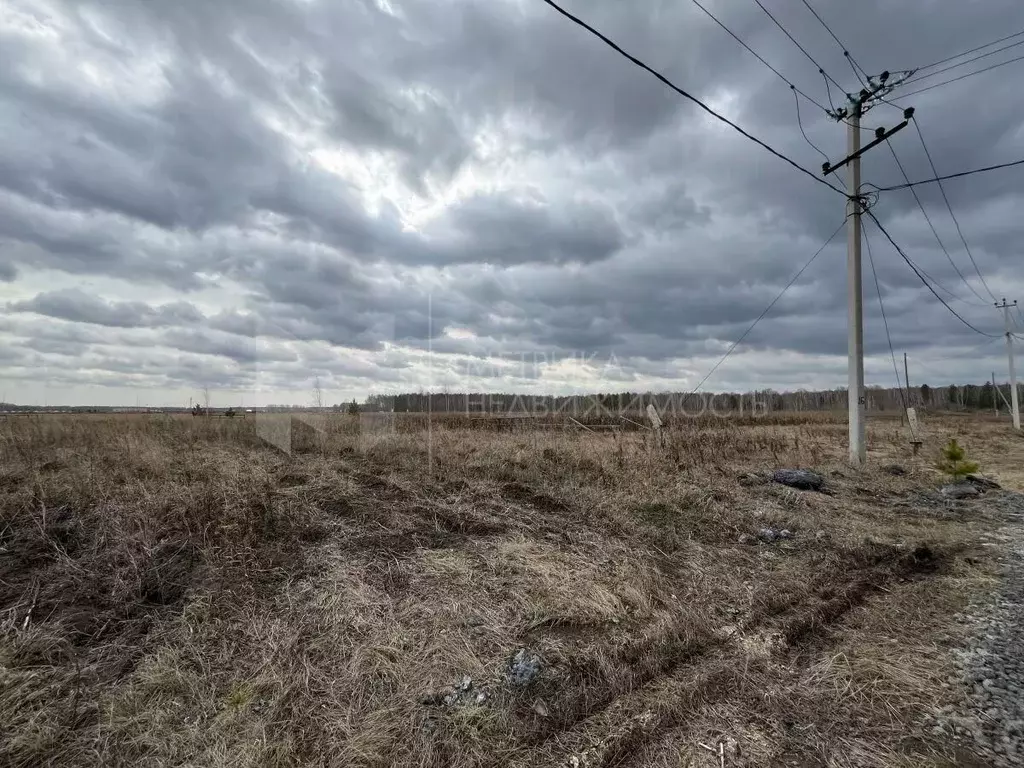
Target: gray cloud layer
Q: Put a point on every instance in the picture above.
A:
(301, 174)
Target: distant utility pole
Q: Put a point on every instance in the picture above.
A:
(851, 115)
(906, 378)
(1009, 354)
(995, 391)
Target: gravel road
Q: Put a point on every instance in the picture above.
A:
(989, 720)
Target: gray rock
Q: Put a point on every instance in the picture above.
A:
(463, 692)
(524, 667)
(983, 483)
(959, 491)
(769, 535)
(803, 479)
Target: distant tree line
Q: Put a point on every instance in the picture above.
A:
(952, 397)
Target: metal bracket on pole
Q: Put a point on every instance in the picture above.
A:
(880, 136)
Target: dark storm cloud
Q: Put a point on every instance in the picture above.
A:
(78, 306)
(644, 228)
(501, 231)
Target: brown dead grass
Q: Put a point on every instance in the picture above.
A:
(173, 591)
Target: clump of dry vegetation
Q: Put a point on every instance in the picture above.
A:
(176, 591)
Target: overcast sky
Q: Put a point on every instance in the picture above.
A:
(395, 195)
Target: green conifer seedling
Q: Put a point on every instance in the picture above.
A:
(954, 461)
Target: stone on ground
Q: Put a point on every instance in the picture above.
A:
(959, 491)
(524, 667)
(803, 479)
(983, 483)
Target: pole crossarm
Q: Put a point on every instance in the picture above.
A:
(880, 135)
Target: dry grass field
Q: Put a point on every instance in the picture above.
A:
(174, 591)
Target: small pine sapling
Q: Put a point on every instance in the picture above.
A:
(954, 461)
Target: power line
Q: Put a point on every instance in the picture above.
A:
(768, 308)
(797, 44)
(885, 321)
(800, 123)
(934, 280)
(972, 50)
(921, 277)
(939, 285)
(846, 51)
(758, 56)
(931, 226)
(856, 69)
(959, 357)
(950, 209)
(963, 63)
(618, 49)
(828, 90)
(943, 178)
(956, 79)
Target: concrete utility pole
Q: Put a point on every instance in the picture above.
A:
(854, 294)
(1009, 353)
(906, 379)
(851, 115)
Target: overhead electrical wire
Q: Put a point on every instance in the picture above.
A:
(797, 44)
(858, 70)
(618, 49)
(962, 77)
(943, 288)
(931, 226)
(803, 133)
(950, 209)
(767, 309)
(918, 78)
(973, 350)
(885, 321)
(937, 179)
(828, 90)
(796, 91)
(758, 56)
(971, 50)
(927, 285)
